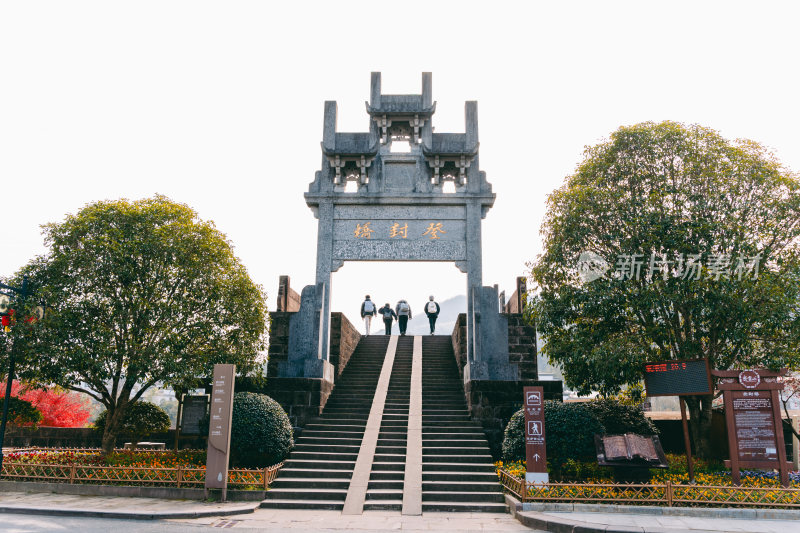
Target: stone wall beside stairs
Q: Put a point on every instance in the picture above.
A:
(491, 403)
(344, 339)
(304, 398)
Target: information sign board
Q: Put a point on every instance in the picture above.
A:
(678, 378)
(754, 425)
(194, 410)
(219, 427)
(535, 448)
(753, 419)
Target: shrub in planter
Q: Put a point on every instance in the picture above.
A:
(261, 434)
(619, 418)
(569, 432)
(141, 420)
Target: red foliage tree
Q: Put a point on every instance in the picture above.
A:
(59, 408)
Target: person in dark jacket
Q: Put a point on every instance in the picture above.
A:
(368, 310)
(432, 310)
(388, 315)
(403, 315)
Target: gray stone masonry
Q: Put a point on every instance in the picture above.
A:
(376, 200)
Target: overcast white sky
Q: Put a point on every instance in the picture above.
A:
(219, 105)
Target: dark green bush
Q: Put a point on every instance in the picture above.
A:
(261, 434)
(569, 432)
(141, 419)
(22, 413)
(619, 418)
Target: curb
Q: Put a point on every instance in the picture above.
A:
(7, 509)
(537, 519)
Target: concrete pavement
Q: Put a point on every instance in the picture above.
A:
(29, 512)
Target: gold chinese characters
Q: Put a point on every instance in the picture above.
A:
(396, 231)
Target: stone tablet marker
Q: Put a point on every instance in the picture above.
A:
(535, 448)
(219, 428)
(193, 411)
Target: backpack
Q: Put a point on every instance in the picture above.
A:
(404, 307)
(369, 307)
(431, 307)
(387, 313)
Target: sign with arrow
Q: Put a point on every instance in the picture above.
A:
(535, 448)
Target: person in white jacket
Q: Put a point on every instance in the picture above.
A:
(432, 310)
(368, 310)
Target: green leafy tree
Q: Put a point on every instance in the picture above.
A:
(141, 293)
(141, 420)
(666, 191)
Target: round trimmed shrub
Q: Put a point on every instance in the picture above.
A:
(569, 433)
(619, 418)
(141, 419)
(261, 434)
(22, 413)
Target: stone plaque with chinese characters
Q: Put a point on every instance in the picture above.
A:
(219, 427)
(410, 233)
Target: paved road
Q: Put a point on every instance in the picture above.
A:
(274, 521)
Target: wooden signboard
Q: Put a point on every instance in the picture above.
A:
(535, 449)
(753, 417)
(219, 428)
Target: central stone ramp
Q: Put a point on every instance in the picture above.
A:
(317, 473)
(457, 469)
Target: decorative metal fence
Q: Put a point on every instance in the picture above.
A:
(669, 494)
(130, 475)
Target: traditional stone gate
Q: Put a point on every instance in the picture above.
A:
(399, 192)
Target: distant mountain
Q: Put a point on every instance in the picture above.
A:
(448, 314)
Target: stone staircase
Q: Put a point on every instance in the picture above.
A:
(317, 473)
(457, 470)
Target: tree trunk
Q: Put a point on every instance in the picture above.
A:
(109, 439)
(700, 424)
(111, 429)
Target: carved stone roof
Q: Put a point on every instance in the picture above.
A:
(401, 104)
(449, 144)
(353, 144)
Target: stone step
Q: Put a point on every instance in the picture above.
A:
(476, 477)
(308, 482)
(276, 503)
(303, 463)
(306, 494)
(481, 497)
(305, 439)
(294, 473)
(461, 486)
(323, 457)
(464, 507)
(327, 448)
(383, 505)
(456, 459)
(381, 466)
(387, 475)
(384, 494)
(456, 451)
(457, 466)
